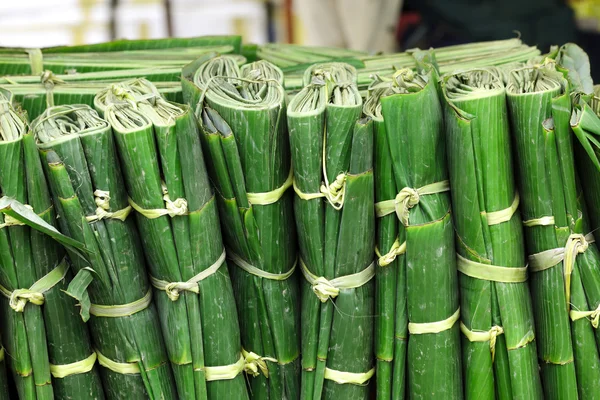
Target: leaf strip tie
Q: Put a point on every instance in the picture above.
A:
(36, 61)
(118, 367)
(255, 365)
(501, 216)
(102, 199)
(122, 310)
(542, 221)
(251, 269)
(172, 208)
(593, 316)
(273, 196)
(576, 244)
(224, 372)
(348, 377)
(483, 336)
(78, 367)
(173, 289)
(19, 298)
(326, 289)
(407, 198)
(489, 272)
(433, 327)
(388, 258)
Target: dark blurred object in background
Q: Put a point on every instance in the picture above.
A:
(538, 22)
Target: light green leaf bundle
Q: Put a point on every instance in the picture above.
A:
(332, 154)
(246, 144)
(415, 228)
(176, 210)
(391, 319)
(43, 332)
(84, 172)
(499, 351)
(540, 108)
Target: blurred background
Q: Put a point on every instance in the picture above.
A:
(369, 25)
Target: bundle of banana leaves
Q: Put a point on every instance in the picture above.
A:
(332, 153)
(415, 188)
(47, 345)
(77, 148)
(540, 110)
(391, 320)
(499, 352)
(246, 144)
(116, 55)
(179, 225)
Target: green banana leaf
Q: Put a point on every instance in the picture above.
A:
(37, 338)
(77, 148)
(540, 108)
(179, 247)
(245, 139)
(332, 152)
(391, 319)
(482, 184)
(415, 143)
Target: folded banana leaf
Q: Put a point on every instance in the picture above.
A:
(246, 144)
(197, 311)
(391, 319)
(77, 148)
(156, 74)
(416, 146)
(151, 44)
(332, 152)
(335, 72)
(42, 329)
(499, 353)
(261, 71)
(35, 98)
(540, 108)
(585, 123)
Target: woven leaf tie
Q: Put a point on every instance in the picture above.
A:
(483, 336)
(20, 297)
(405, 200)
(408, 198)
(388, 258)
(335, 192)
(593, 316)
(174, 289)
(576, 244)
(324, 289)
(494, 332)
(102, 200)
(255, 364)
(49, 80)
(10, 221)
(174, 208)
